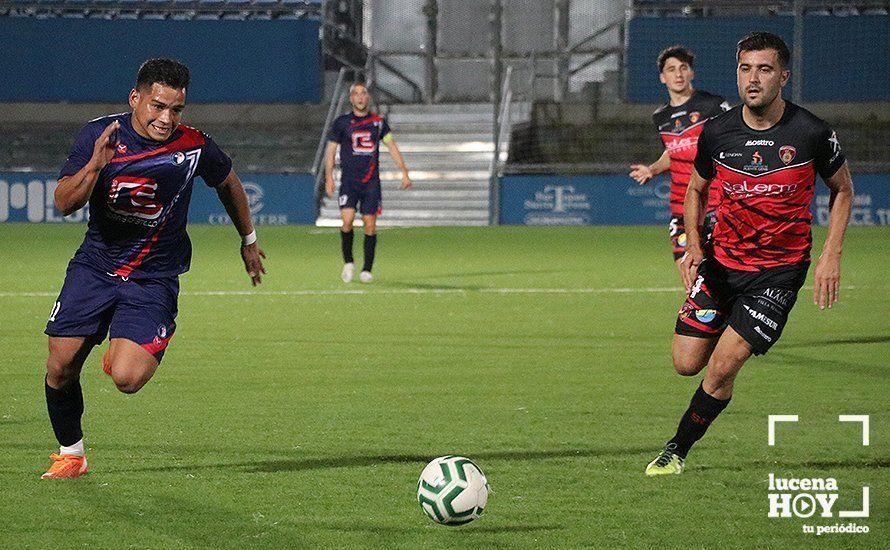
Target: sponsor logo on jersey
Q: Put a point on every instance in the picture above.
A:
(694, 116)
(759, 143)
(746, 188)
(762, 318)
(729, 154)
(705, 315)
(678, 144)
(835, 146)
(122, 148)
(134, 197)
(756, 164)
(787, 153)
(178, 158)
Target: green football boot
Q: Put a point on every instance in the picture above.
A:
(667, 462)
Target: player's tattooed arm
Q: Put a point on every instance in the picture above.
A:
(643, 173)
(397, 158)
(827, 276)
(329, 155)
(74, 191)
(231, 194)
(693, 209)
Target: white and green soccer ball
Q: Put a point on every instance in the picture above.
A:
(452, 490)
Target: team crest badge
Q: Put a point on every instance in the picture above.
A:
(787, 153)
(694, 116)
(121, 148)
(178, 158)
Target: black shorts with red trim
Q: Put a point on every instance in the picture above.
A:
(755, 304)
(677, 233)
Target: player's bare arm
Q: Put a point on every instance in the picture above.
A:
(231, 194)
(74, 191)
(397, 158)
(693, 207)
(827, 276)
(329, 156)
(643, 173)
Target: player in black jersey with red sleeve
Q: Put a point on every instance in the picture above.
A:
(763, 156)
(679, 123)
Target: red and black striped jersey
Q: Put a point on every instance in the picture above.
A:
(679, 127)
(767, 180)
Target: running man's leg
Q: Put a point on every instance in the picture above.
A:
(715, 391)
(691, 354)
(64, 397)
(141, 329)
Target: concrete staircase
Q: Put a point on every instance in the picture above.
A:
(448, 150)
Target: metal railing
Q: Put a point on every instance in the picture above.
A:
(372, 63)
(501, 129)
(318, 169)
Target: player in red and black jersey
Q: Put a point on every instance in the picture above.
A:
(679, 123)
(763, 156)
(359, 134)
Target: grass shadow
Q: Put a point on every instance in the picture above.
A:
(884, 339)
(365, 461)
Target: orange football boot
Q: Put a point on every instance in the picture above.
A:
(66, 466)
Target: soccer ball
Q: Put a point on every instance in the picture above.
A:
(452, 490)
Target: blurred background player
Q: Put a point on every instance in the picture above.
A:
(764, 155)
(358, 134)
(679, 123)
(136, 170)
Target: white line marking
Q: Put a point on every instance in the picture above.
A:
(396, 291)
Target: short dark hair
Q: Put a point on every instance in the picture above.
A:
(680, 52)
(163, 71)
(757, 41)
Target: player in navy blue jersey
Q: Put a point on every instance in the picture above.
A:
(358, 135)
(136, 170)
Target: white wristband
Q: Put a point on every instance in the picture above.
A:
(249, 239)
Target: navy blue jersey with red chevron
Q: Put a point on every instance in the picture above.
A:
(139, 206)
(767, 181)
(679, 127)
(359, 138)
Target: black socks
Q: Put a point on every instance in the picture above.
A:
(370, 247)
(65, 407)
(346, 244)
(703, 409)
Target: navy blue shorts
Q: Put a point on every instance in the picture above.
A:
(367, 195)
(93, 303)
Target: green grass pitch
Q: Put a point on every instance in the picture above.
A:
(300, 416)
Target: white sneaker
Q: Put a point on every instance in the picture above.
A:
(366, 277)
(347, 273)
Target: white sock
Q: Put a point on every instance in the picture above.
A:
(76, 449)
